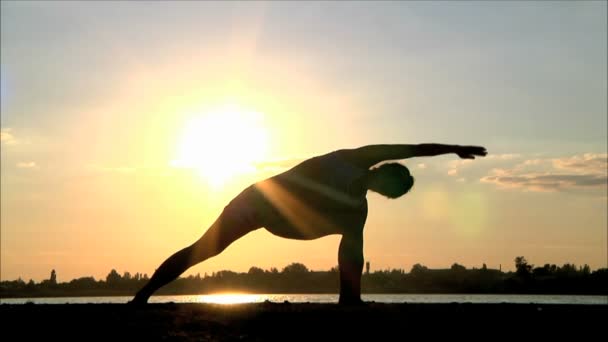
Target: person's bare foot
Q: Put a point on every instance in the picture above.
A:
(352, 302)
(138, 301)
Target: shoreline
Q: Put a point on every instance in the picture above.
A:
(329, 298)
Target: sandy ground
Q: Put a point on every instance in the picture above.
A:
(301, 322)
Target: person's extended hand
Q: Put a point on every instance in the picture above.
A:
(469, 152)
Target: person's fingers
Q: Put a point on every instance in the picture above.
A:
(478, 150)
(470, 152)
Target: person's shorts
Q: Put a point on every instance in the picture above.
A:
(250, 209)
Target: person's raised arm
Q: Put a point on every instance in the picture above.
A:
(367, 156)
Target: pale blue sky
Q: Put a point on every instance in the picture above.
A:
(494, 70)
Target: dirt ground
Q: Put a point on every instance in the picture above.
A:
(300, 322)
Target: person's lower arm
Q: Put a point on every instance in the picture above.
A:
(423, 150)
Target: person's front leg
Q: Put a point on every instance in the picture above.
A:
(350, 260)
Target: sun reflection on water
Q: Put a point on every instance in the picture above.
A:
(229, 298)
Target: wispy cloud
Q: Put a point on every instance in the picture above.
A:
(588, 163)
(456, 165)
(585, 171)
(545, 182)
(27, 165)
(7, 137)
(504, 156)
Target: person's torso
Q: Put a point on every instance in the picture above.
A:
(313, 199)
(326, 180)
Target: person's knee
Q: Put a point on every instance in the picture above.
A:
(190, 255)
(224, 232)
(206, 247)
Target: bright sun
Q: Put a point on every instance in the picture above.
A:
(222, 144)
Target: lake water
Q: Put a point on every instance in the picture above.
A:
(328, 298)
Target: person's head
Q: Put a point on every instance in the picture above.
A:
(392, 180)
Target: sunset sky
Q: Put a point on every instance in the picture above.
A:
(128, 126)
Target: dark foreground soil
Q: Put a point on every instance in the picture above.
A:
(301, 322)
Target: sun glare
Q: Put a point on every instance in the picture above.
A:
(230, 298)
(222, 144)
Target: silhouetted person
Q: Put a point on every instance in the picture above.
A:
(321, 196)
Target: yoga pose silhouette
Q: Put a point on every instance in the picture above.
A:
(320, 196)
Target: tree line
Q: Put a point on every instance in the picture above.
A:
(297, 278)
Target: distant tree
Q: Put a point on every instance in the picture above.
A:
(83, 283)
(568, 270)
(457, 267)
(542, 271)
(484, 267)
(225, 274)
(367, 267)
(53, 279)
(255, 271)
(113, 277)
(295, 268)
(397, 271)
(522, 267)
(418, 268)
(126, 276)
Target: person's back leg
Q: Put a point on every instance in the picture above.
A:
(229, 227)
